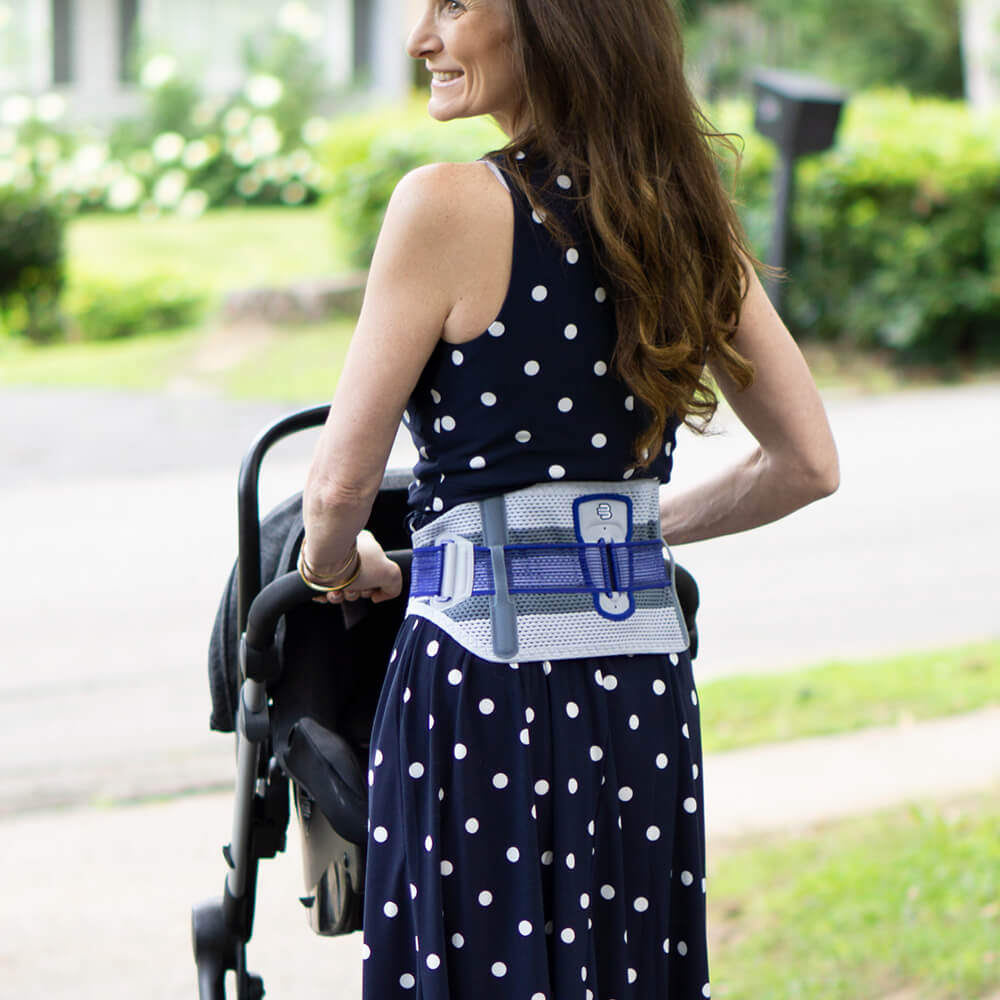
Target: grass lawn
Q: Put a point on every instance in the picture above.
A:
(300, 364)
(148, 362)
(225, 249)
(903, 905)
(835, 697)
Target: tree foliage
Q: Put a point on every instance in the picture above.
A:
(857, 43)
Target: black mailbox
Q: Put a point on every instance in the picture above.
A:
(800, 114)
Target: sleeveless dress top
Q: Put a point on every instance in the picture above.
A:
(535, 829)
(534, 398)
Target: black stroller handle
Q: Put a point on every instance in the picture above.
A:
(248, 496)
(282, 595)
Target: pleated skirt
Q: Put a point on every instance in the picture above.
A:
(536, 830)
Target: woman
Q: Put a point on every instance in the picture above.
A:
(544, 318)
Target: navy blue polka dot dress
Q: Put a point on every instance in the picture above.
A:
(536, 828)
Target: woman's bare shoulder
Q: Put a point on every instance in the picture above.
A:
(450, 179)
(448, 234)
(452, 195)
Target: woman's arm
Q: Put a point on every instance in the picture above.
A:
(795, 461)
(409, 296)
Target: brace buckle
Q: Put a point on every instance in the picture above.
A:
(457, 570)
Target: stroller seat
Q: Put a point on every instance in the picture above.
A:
(333, 663)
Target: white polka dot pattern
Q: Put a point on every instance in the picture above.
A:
(555, 327)
(486, 783)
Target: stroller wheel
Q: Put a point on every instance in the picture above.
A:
(337, 909)
(248, 986)
(333, 869)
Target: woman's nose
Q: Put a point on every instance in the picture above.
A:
(423, 40)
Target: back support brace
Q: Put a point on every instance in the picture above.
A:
(554, 571)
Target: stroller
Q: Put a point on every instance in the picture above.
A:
(298, 683)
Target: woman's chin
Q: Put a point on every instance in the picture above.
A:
(441, 112)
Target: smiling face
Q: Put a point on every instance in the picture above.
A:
(467, 46)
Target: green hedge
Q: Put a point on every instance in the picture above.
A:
(897, 230)
(366, 155)
(36, 304)
(103, 311)
(31, 263)
(898, 233)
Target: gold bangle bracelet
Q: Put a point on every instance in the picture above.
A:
(304, 568)
(349, 564)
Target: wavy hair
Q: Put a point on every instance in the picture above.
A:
(606, 100)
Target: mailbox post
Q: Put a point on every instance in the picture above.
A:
(799, 113)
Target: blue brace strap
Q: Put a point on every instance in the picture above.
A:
(577, 568)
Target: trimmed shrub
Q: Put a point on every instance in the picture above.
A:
(897, 233)
(367, 154)
(101, 311)
(31, 264)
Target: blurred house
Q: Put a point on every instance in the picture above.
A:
(90, 51)
(981, 51)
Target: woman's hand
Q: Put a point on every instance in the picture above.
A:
(379, 578)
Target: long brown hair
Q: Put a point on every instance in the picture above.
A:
(607, 101)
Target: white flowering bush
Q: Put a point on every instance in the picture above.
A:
(189, 152)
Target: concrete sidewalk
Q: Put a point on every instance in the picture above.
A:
(96, 900)
(793, 786)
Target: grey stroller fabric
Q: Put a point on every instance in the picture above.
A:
(280, 534)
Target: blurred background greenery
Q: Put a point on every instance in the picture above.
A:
(147, 223)
(124, 243)
(913, 44)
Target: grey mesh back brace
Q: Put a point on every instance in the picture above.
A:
(506, 627)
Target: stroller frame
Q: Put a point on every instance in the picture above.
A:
(333, 845)
(321, 765)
